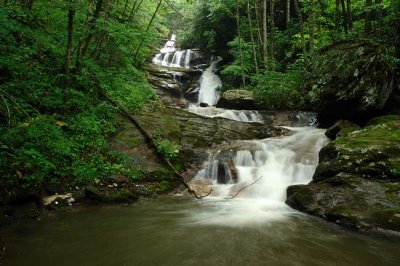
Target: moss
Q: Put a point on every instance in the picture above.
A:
(389, 119)
(104, 195)
(387, 218)
(165, 186)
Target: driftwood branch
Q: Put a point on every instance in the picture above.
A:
(150, 140)
(240, 190)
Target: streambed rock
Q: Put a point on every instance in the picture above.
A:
(357, 181)
(238, 100)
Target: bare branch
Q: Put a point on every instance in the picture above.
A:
(240, 190)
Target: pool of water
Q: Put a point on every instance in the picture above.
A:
(174, 231)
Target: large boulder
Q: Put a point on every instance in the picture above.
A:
(351, 80)
(239, 100)
(357, 181)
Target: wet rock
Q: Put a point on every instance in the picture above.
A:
(105, 195)
(351, 80)
(203, 104)
(239, 100)
(339, 125)
(195, 133)
(174, 85)
(357, 181)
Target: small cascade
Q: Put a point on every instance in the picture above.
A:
(237, 115)
(258, 174)
(209, 83)
(187, 58)
(169, 56)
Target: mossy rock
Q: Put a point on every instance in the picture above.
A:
(387, 218)
(357, 181)
(351, 80)
(107, 196)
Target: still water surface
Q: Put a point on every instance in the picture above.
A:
(169, 231)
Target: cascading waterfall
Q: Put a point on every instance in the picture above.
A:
(209, 83)
(169, 56)
(268, 167)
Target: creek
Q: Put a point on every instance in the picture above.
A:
(243, 222)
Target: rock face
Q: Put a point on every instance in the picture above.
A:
(239, 100)
(351, 80)
(175, 86)
(357, 181)
(196, 133)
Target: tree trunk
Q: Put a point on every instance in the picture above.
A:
(70, 31)
(147, 29)
(368, 23)
(85, 44)
(397, 41)
(287, 13)
(378, 16)
(240, 43)
(125, 7)
(311, 27)
(265, 35)
(253, 45)
(345, 19)
(272, 11)
(303, 42)
(135, 9)
(259, 37)
(337, 17)
(349, 14)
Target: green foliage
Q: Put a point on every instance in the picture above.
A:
(165, 147)
(53, 123)
(278, 90)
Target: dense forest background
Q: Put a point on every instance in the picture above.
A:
(57, 59)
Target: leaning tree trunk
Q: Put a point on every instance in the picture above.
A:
(147, 30)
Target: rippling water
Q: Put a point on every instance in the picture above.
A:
(169, 231)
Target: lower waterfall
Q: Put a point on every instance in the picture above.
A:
(256, 192)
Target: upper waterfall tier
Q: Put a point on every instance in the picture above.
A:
(170, 56)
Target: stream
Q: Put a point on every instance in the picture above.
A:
(243, 222)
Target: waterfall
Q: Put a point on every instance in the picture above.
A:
(209, 83)
(267, 167)
(187, 58)
(169, 56)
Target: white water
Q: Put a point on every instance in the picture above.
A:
(169, 56)
(237, 115)
(209, 83)
(276, 163)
